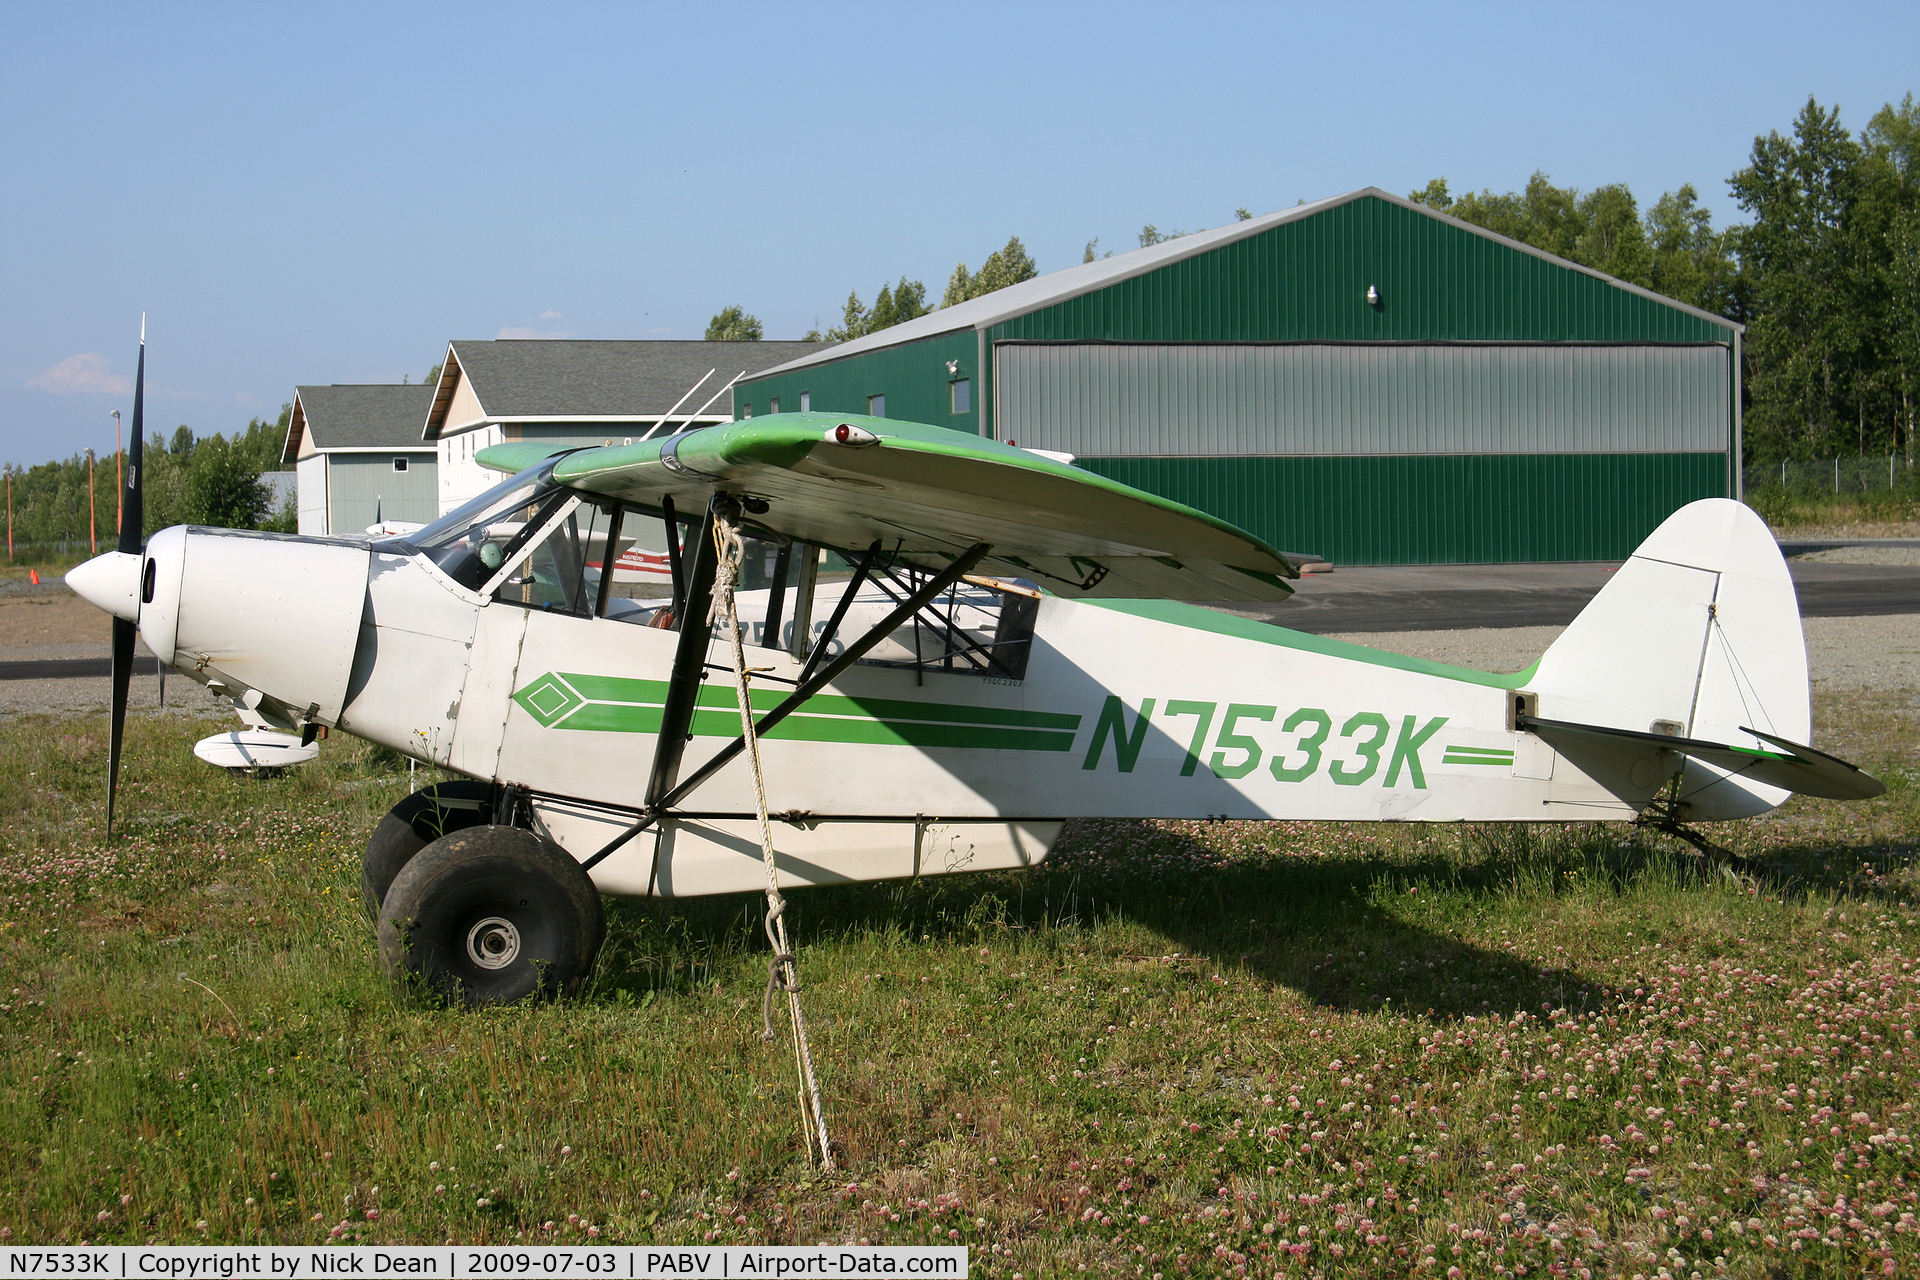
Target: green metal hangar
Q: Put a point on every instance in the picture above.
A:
(1362, 378)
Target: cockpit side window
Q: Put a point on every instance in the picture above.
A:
(562, 571)
(633, 550)
(547, 570)
(471, 543)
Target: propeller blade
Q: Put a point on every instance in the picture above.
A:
(132, 511)
(123, 633)
(132, 518)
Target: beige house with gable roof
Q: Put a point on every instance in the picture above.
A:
(576, 392)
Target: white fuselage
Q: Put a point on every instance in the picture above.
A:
(1125, 710)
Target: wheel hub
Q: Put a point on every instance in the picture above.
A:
(493, 943)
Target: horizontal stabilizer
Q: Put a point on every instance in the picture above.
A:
(1848, 781)
(1801, 768)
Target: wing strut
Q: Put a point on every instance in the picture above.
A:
(840, 612)
(777, 597)
(689, 661)
(615, 520)
(812, 684)
(674, 566)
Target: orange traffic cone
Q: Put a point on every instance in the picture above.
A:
(35, 575)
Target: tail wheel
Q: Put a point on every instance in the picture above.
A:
(412, 825)
(490, 915)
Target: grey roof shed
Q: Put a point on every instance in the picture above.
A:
(356, 416)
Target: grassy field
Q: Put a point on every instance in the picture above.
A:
(1179, 1048)
(1893, 513)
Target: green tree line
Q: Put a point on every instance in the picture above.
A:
(210, 480)
(895, 303)
(907, 299)
(1826, 276)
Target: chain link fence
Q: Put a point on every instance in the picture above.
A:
(1834, 476)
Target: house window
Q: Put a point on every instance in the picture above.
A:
(399, 464)
(806, 402)
(746, 408)
(962, 395)
(877, 406)
(773, 404)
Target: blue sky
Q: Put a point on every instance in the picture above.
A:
(328, 193)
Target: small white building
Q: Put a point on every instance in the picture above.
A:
(359, 456)
(574, 392)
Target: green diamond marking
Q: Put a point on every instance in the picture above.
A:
(549, 700)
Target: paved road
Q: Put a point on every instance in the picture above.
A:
(1801, 546)
(70, 668)
(1460, 597)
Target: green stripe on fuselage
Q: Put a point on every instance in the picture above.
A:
(620, 704)
(1194, 617)
(1477, 755)
(766, 698)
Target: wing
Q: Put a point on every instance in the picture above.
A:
(844, 481)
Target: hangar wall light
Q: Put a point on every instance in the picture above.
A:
(1373, 296)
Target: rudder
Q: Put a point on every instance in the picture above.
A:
(1698, 635)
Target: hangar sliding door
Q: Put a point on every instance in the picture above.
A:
(1389, 452)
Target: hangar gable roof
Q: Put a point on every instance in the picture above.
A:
(1043, 291)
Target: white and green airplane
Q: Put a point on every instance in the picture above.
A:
(955, 645)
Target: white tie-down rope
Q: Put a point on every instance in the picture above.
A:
(781, 973)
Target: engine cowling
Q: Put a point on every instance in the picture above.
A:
(272, 614)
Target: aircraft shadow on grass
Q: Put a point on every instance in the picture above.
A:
(1845, 869)
(1314, 926)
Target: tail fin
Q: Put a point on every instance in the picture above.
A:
(1696, 636)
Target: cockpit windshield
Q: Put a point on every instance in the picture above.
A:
(471, 542)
